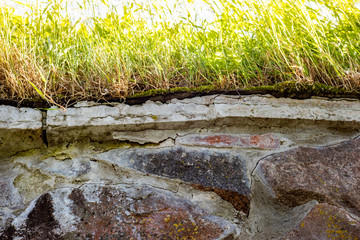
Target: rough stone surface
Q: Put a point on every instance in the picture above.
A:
(326, 222)
(20, 118)
(265, 141)
(99, 122)
(116, 212)
(13, 141)
(222, 172)
(20, 130)
(9, 194)
(328, 174)
(146, 136)
(122, 114)
(89, 178)
(285, 108)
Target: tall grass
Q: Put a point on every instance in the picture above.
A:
(47, 54)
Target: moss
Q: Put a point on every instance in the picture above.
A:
(157, 92)
(260, 88)
(150, 93)
(204, 89)
(292, 87)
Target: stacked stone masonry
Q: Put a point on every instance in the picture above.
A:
(213, 167)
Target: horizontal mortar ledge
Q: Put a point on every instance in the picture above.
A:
(208, 108)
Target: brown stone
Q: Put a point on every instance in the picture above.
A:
(328, 174)
(117, 212)
(326, 222)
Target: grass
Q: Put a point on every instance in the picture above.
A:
(46, 54)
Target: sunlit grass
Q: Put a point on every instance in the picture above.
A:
(47, 54)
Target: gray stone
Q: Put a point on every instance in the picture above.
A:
(284, 108)
(10, 198)
(146, 136)
(222, 172)
(66, 167)
(20, 118)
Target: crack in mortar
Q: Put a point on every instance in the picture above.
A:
(44, 127)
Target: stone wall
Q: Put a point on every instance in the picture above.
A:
(213, 167)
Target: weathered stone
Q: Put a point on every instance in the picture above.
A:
(255, 123)
(284, 108)
(20, 118)
(328, 174)
(265, 141)
(36, 172)
(60, 165)
(99, 122)
(146, 136)
(20, 130)
(10, 199)
(326, 222)
(116, 212)
(13, 141)
(31, 184)
(222, 172)
(39, 222)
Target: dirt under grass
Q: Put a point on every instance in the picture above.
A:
(142, 50)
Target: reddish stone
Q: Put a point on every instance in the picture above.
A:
(326, 222)
(328, 174)
(219, 139)
(265, 141)
(117, 212)
(150, 218)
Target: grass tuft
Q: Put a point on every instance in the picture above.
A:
(151, 48)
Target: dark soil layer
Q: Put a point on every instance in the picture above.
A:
(285, 89)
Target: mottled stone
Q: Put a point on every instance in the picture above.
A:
(116, 212)
(60, 165)
(13, 141)
(9, 197)
(38, 223)
(328, 174)
(265, 141)
(224, 173)
(326, 222)
(20, 130)
(32, 184)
